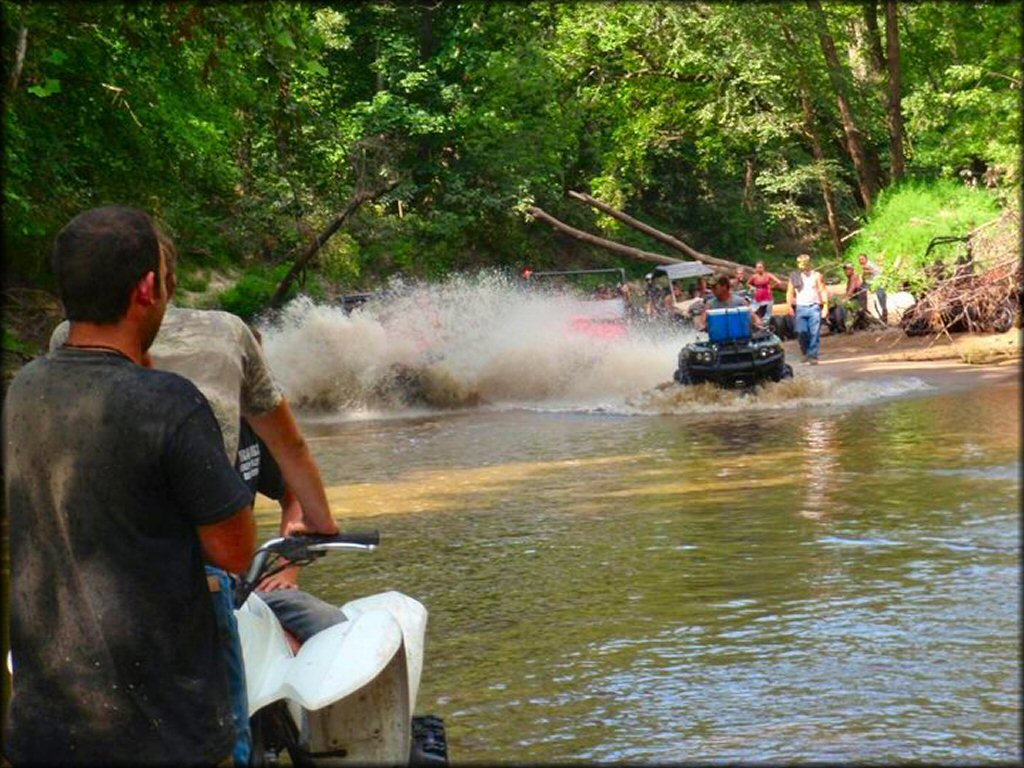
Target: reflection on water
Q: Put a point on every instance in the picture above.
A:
(739, 585)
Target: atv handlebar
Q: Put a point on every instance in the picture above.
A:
(300, 550)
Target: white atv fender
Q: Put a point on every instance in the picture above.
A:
(351, 688)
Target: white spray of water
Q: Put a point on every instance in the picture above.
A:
(480, 340)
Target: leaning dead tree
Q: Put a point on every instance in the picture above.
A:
(609, 245)
(657, 234)
(311, 249)
(720, 266)
(368, 160)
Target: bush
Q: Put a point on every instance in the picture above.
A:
(192, 279)
(906, 218)
(252, 293)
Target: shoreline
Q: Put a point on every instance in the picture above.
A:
(968, 360)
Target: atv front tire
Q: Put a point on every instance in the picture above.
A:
(785, 372)
(682, 376)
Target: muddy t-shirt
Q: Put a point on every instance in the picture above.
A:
(217, 352)
(109, 468)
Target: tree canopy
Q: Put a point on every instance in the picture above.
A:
(744, 128)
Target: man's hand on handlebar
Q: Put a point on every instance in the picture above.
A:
(294, 521)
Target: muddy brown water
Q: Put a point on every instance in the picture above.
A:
(809, 583)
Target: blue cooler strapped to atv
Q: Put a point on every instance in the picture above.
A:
(729, 324)
(733, 355)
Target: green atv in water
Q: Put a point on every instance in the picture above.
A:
(733, 355)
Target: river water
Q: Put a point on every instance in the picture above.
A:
(826, 571)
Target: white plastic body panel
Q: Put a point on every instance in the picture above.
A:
(351, 687)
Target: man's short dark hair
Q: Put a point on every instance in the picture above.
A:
(99, 257)
(723, 280)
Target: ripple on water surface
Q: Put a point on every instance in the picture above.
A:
(612, 575)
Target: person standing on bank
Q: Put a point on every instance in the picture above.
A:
(763, 282)
(807, 296)
(118, 490)
(869, 274)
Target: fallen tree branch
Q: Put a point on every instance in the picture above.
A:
(600, 242)
(657, 234)
(363, 196)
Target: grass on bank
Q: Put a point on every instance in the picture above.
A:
(906, 218)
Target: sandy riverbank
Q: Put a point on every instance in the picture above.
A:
(963, 361)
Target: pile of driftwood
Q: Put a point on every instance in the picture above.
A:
(973, 298)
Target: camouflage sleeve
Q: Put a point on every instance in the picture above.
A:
(60, 335)
(259, 392)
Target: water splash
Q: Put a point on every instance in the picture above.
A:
(485, 340)
(805, 389)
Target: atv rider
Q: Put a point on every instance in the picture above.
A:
(723, 299)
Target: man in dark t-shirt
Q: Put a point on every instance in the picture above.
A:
(118, 490)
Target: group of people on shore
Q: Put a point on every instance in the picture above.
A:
(807, 298)
(133, 452)
(807, 295)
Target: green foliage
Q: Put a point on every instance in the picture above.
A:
(246, 128)
(966, 60)
(253, 291)
(908, 216)
(192, 279)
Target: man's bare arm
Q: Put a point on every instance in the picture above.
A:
(280, 433)
(230, 543)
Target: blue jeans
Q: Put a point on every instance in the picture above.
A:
(224, 610)
(808, 329)
(301, 613)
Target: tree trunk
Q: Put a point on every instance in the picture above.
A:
(748, 185)
(600, 242)
(897, 163)
(311, 250)
(657, 234)
(877, 55)
(811, 132)
(19, 60)
(866, 179)
(827, 195)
